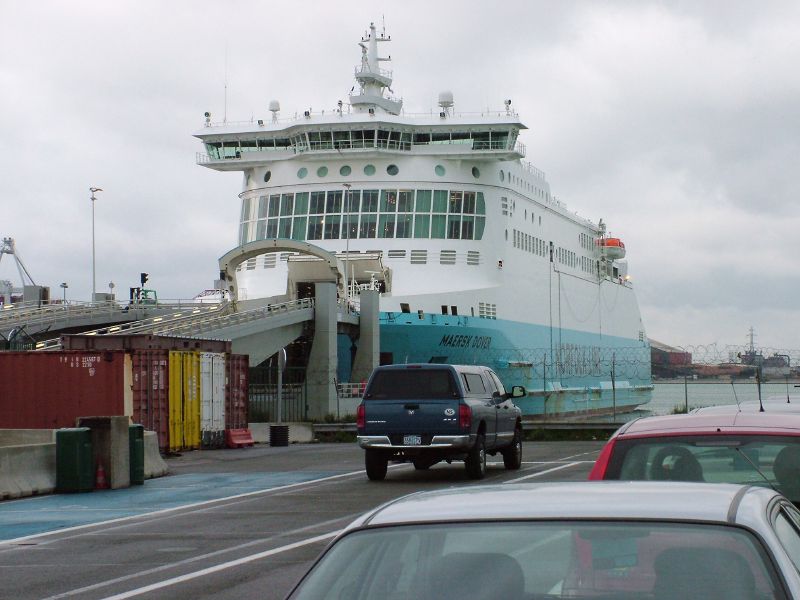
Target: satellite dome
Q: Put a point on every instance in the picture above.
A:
(274, 105)
(446, 99)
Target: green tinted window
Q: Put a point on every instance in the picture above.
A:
(454, 227)
(403, 228)
(369, 226)
(314, 228)
(440, 201)
(438, 226)
(480, 223)
(317, 206)
(287, 203)
(369, 201)
(422, 226)
(299, 229)
(481, 204)
(301, 203)
(405, 201)
(389, 201)
(386, 226)
(285, 228)
(423, 201)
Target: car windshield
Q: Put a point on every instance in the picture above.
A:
(410, 384)
(772, 461)
(542, 560)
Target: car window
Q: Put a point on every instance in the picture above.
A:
(787, 524)
(497, 382)
(770, 461)
(474, 384)
(411, 384)
(544, 560)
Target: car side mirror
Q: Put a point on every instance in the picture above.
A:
(518, 391)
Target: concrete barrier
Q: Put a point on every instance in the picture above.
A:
(154, 465)
(299, 433)
(27, 470)
(21, 437)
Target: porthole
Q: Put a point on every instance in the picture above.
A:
(476, 172)
(302, 172)
(439, 170)
(267, 176)
(502, 176)
(506, 234)
(392, 170)
(322, 171)
(369, 170)
(345, 170)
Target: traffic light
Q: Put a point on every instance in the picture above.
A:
(144, 277)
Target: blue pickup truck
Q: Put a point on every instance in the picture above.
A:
(426, 413)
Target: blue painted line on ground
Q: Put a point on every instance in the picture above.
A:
(45, 514)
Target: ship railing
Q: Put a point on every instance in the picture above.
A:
(538, 173)
(359, 70)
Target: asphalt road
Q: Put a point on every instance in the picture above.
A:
(226, 524)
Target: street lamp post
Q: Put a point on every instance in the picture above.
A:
(94, 287)
(347, 199)
(64, 287)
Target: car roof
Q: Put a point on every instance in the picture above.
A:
(713, 423)
(771, 405)
(432, 366)
(596, 500)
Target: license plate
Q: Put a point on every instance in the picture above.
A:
(412, 440)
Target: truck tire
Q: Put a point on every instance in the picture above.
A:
(512, 456)
(376, 464)
(475, 463)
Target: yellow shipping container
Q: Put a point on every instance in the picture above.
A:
(184, 400)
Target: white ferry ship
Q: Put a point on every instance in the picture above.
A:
(482, 263)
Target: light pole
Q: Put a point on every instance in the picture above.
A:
(93, 190)
(64, 287)
(111, 291)
(347, 243)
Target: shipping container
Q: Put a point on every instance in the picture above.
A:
(50, 390)
(236, 396)
(212, 399)
(150, 382)
(142, 342)
(184, 400)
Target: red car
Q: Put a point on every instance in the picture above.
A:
(747, 448)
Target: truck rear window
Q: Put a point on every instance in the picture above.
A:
(412, 385)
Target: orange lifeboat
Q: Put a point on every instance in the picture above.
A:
(613, 248)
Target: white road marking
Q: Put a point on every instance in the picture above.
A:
(221, 567)
(540, 473)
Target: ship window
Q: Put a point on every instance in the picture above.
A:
(422, 226)
(476, 172)
(389, 201)
(369, 170)
(386, 226)
(444, 309)
(405, 201)
(469, 202)
(455, 202)
(261, 229)
(301, 203)
(392, 170)
(481, 204)
(285, 228)
(334, 203)
(423, 201)
(403, 229)
(439, 170)
(267, 176)
(440, 201)
(341, 139)
(287, 201)
(369, 202)
(454, 227)
(263, 206)
(351, 201)
(404, 307)
(272, 228)
(454, 310)
(274, 205)
(467, 227)
(350, 226)
(244, 233)
(317, 203)
(322, 171)
(502, 176)
(368, 228)
(299, 228)
(422, 138)
(345, 170)
(246, 209)
(314, 228)
(331, 228)
(438, 226)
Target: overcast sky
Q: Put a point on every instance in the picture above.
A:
(677, 123)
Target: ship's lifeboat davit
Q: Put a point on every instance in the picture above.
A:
(613, 248)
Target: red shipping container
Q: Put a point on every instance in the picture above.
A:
(142, 341)
(150, 384)
(49, 390)
(237, 392)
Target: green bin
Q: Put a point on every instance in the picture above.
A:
(74, 460)
(136, 441)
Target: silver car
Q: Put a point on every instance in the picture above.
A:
(599, 540)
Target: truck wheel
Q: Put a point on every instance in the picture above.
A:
(475, 463)
(512, 456)
(376, 464)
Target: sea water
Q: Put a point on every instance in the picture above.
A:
(676, 395)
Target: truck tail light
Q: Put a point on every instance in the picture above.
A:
(464, 416)
(361, 417)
